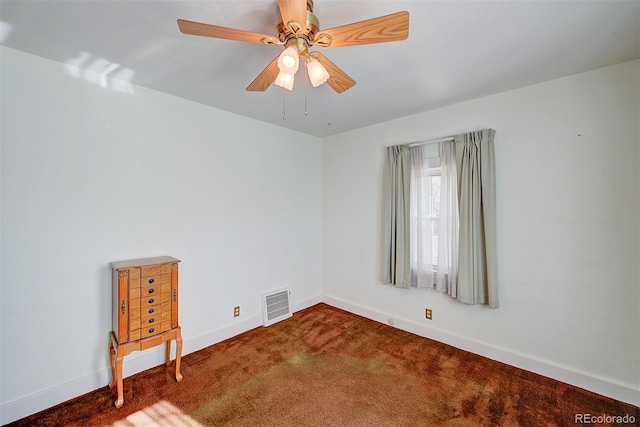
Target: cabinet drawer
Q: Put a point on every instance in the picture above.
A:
(155, 319)
(154, 299)
(150, 330)
(156, 308)
(151, 280)
(155, 288)
(152, 270)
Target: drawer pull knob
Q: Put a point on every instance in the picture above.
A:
(151, 330)
(151, 320)
(151, 280)
(151, 310)
(151, 300)
(150, 290)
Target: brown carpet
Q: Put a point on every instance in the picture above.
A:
(327, 367)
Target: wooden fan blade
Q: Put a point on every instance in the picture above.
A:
(208, 30)
(377, 30)
(265, 78)
(338, 79)
(293, 10)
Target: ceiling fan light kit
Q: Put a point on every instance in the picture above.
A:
(289, 61)
(284, 80)
(298, 30)
(317, 73)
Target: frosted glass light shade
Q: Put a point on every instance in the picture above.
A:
(317, 73)
(284, 80)
(288, 61)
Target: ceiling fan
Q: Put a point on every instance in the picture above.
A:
(297, 29)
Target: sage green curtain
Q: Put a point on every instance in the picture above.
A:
(477, 256)
(396, 189)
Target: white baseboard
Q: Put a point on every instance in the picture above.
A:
(19, 408)
(618, 391)
(301, 305)
(136, 362)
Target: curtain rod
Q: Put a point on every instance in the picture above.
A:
(433, 141)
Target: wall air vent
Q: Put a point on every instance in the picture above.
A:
(275, 307)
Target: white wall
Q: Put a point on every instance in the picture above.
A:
(567, 154)
(92, 175)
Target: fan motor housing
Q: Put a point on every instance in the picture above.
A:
(292, 29)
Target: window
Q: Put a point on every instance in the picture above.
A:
(427, 217)
(429, 253)
(417, 221)
(433, 216)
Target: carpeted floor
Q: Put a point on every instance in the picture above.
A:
(327, 367)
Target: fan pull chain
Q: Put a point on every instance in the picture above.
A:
(306, 113)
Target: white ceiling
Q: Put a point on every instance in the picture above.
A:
(456, 50)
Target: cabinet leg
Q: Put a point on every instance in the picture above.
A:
(178, 356)
(112, 354)
(118, 365)
(167, 357)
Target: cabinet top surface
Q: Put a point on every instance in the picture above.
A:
(142, 262)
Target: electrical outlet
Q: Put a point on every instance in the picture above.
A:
(428, 313)
(236, 311)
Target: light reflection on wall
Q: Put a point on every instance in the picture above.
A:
(102, 72)
(161, 413)
(5, 29)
